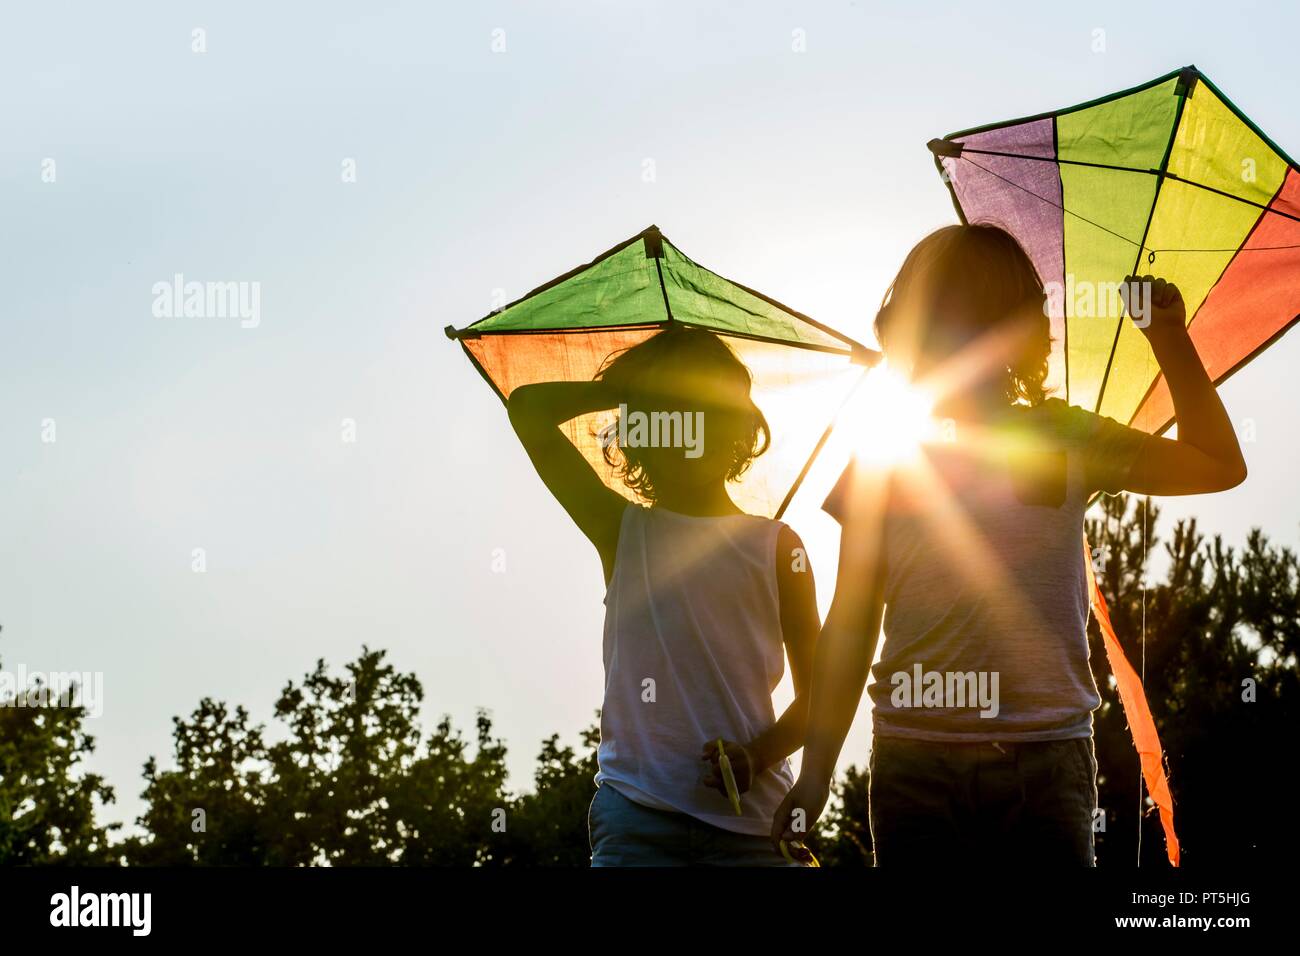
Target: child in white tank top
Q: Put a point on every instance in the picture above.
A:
(703, 602)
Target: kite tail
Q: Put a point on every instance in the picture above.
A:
(1143, 728)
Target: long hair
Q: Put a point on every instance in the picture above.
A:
(686, 367)
(960, 283)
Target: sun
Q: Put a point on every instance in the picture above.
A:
(888, 418)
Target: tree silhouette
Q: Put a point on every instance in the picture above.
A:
(548, 827)
(347, 777)
(843, 834)
(47, 804)
(211, 807)
(350, 783)
(1222, 632)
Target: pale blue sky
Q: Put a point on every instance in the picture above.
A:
(804, 175)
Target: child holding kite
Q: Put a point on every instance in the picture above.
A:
(703, 601)
(970, 554)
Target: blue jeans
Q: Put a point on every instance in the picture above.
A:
(625, 833)
(1008, 804)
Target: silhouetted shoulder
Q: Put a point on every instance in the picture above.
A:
(1107, 447)
(1069, 424)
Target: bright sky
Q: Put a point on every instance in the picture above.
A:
(804, 175)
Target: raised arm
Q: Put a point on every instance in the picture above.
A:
(537, 412)
(1206, 455)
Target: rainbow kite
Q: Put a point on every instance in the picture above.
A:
(1168, 178)
(564, 330)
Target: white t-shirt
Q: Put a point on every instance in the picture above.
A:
(693, 650)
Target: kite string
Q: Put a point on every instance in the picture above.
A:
(1054, 205)
(1151, 257)
(1142, 674)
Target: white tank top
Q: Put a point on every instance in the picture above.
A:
(693, 650)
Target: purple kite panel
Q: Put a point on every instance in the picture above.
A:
(1031, 212)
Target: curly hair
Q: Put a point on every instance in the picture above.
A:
(960, 282)
(686, 367)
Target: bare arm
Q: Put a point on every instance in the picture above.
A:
(800, 625)
(537, 412)
(845, 650)
(1206, 456)
(844, 653)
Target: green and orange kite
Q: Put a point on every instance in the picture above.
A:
(564, 330)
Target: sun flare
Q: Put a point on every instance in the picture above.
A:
(888, 418)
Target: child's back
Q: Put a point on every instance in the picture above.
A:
(701, 600)
(693, 648)
(971, 561)
(984, 586)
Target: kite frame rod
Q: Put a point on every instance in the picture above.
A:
(469, 332)
(1141, 88)
(567, 276)
(1055, 159)
(1197, 314)
(1099, 101)
(1134, 169)
(1168, 423)
(1182, 91)
(961, 214)
(860, 354)
(1227, 101)
(853, 345)
(817, 449)
(1092, 222)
